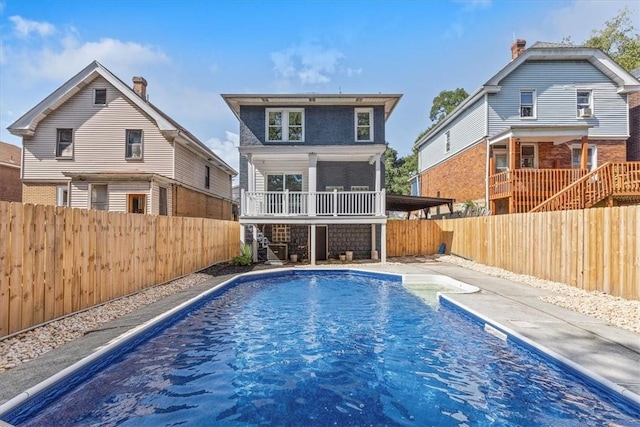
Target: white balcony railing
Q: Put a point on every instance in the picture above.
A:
(320, 203)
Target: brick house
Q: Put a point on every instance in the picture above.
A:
(312, 173)
(96, 143)
(633, 144)
(548, 131)
(10, 184)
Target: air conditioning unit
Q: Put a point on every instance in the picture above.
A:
(584, 112)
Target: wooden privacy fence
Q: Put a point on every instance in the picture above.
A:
(592, 249)
(56, 261)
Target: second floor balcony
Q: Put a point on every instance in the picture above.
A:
(327, 205)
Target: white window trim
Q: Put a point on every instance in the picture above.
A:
(534, 101)
(498, 152)
(447, 141)
(60, 190)
(285, 124)
(94, 97)
(355, 121)
(584, 89)
(594, 159)
(126, 144)
(535, 154)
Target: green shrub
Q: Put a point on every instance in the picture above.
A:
(245, 257)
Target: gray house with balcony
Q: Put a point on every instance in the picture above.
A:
(312, 173)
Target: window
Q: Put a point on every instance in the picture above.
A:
(447, 145)
(100, 97)
(527, 156)
(62, 195)
(576, 156)
(334, 187)
(359, 188)
(99, 197)
(276, 200)
(583, 102)
(162, 208)
(207, 176)
(364, 124)
(134, 144)
(64, 144)
(137, 203)
(285, 125)
(281, 233)
(500, 159)
(528, 103)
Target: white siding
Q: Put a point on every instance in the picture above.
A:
(190, 170)
(467, 128)
(155, 198)
(98, 138)
(555, 83)
(289, 167)
(118, 194)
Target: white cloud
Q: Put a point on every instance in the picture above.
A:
(352, 72)
(71, 55)
(309, 63)
(24, 27)
(226, 149)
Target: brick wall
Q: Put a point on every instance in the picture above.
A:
(611, 151)
(633, 143)
(10, 184)
(461, 177)
(39, 194)
(192, 203)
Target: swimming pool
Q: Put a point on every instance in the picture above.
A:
(319, 348)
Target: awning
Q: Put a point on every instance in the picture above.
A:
(415, 203)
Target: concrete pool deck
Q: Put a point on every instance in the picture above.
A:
(605, 350)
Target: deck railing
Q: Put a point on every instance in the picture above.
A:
(530, 187)
(610, 179)
(320, 203)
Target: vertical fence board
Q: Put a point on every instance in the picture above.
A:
(28, 265)
(15, 280)
(50, 263)
(39, 260)
(5, 266)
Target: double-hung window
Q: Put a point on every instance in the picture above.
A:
(285, 125)
(207, 177)
(134, 144)
(364, 124)
(576, 156)
(62, 195)
(64, 143)
(528, 103)
(100, 197)
(584, 103)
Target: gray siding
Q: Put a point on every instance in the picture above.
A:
(555, 83)
(466, 129)
(345, 174)
(324, 125)
(98, 138)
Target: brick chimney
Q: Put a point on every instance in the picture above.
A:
(517, 48)
(140, 87)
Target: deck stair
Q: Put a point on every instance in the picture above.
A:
(608, 182)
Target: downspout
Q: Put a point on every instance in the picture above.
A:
(486, 137)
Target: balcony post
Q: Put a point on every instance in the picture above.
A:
(243, 203)
(285, 203)
(378, 173)
(512, 153)
(311, 201)
(335, 202)
(583, 153)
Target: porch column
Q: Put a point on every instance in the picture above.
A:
(373, 239)
(312, 252)
(313, 163)
(251, 178)
(512, 153)
(255, 243)
(383, 244)
(378, 178)
(584, 151)
(491, 203)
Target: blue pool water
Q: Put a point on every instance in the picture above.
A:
(317, 349)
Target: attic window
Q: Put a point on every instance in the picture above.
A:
(100, 97)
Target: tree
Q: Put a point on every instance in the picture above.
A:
(398, 171)
(618, 39)
(445, 102)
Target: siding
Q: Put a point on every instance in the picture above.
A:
(346, 174)
(555, 83)
(190, 170)
(466, 129)
(99, 138)
(118, 192)
(324, 125)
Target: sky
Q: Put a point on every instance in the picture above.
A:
(191, 51)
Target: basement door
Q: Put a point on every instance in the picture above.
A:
(321, 242)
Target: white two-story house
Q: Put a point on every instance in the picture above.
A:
(548, 131)
(96, 143)
(312, 173)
